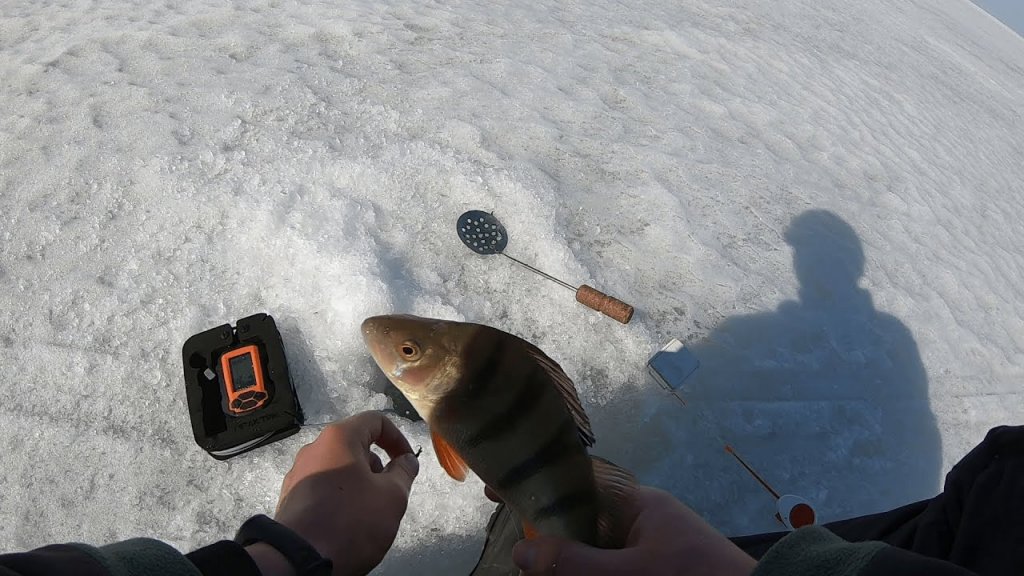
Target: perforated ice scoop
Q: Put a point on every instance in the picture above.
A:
(482, 233)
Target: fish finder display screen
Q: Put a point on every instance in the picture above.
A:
(242, 375)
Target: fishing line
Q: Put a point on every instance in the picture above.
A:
(419, 449)
(329, 422)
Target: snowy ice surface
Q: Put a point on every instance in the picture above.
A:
(823, 199)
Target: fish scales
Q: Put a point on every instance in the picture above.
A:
(521, 418)
(505, 408)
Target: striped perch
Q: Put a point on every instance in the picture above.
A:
(499, 406)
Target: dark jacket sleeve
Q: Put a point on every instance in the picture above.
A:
(56, 559)
(136, 557)
(814, 551)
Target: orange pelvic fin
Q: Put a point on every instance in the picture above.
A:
(529, 530)
(450, 460)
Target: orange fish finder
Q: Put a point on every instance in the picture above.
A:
(239, 392)
(241, 376)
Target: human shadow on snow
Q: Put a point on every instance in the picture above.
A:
(826, 394)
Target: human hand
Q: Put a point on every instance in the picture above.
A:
(665, 538)
(342, 499)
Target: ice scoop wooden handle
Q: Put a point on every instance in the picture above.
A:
(605, 304)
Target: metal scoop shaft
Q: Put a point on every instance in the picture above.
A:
(482, 233)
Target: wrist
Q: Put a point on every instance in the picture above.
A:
(278, 550)
(269, 560)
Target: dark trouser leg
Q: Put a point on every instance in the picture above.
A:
(976, 522)
(884, 526)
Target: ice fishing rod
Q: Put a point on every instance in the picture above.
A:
(756, 476)
(670, 366)
(482, 233)
(791, 510)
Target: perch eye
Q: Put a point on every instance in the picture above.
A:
(409, 350)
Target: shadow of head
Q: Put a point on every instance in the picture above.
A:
(827, 255)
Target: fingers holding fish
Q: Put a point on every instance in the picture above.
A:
(552, 556)
(665, 538)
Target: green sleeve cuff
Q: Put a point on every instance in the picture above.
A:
(814, 551)
(141, 557)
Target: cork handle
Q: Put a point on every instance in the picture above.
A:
(605, 304)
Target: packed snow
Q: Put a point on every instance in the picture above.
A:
(821, 199)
